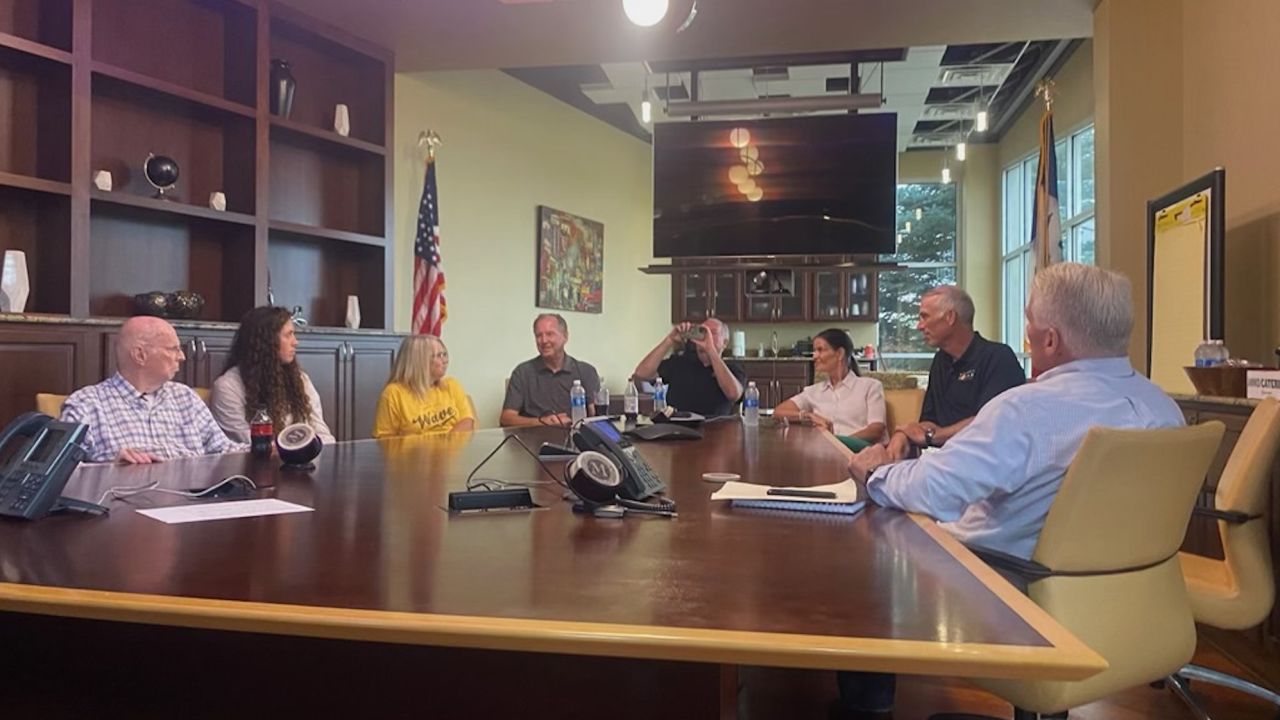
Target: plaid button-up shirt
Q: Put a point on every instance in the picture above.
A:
(171, 422)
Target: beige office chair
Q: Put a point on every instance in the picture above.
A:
(1106, 563)
(902, 406)
(1238, 591)
(50, 404)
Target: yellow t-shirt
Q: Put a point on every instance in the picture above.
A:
(401, 411)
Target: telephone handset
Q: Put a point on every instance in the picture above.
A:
(639, 481)
(32, 481)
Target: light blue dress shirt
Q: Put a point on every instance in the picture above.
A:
(993, 482)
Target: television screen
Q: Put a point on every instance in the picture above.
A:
(820, 185)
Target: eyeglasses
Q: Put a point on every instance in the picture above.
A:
(442, 354)
(171, 349)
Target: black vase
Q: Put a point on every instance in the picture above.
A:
(282, 87)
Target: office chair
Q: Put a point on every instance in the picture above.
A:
(1238, 591)
(901, 407)
(1106, 563)
(50, 404)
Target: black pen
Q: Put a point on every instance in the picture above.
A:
(824, 494)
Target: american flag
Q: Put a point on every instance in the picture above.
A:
(429, 308)
(1046, 230)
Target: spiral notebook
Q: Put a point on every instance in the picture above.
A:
(749, 495)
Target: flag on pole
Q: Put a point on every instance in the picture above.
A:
(429, 309)
(1046, 229)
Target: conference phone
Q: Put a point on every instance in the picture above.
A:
(639, 480)
(47, 452)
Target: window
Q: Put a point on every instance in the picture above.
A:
(1075, 200)
(928, 252)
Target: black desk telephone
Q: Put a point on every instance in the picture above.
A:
(31, 483)
(639, 481)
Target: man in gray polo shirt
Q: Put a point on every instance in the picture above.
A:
(538, 392)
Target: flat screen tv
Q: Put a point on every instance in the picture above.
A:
(819, 185)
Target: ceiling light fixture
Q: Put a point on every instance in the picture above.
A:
(739, 137)
(907, 227)
(980, 121)
(645, 13)
(756, 194)
(646, 107)
(738, 175)
(758, 106)
(961, 151)
(919, 213)
(946, 175)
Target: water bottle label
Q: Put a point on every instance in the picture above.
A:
(580, 401)
(752, 402)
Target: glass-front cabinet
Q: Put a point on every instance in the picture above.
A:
(700, 295)
(844, 295)
(779, 308)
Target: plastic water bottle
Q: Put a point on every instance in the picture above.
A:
(659, 396)
(577, 402)
(1204, 354)
(631, 402)
(751, 405)
(1221, 353)
(261, 433)
(602, 399)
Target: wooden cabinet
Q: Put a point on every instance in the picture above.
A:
(206, 353)
(1258, 648)
(844, 295)
(697, 296)
(37, 359)
(349, 374)
(778, 380)
(780, 308)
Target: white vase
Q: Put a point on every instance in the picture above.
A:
(353, 312)
(15, 286)
(342, 120)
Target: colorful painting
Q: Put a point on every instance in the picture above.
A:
(570, 262)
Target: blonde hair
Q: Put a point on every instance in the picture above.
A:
(413, 363)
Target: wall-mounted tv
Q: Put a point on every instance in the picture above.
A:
(818, 185)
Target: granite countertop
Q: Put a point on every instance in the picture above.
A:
(1215, 400)
(51, 319)
(799, 358)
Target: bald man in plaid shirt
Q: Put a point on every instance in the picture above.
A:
(138, 415)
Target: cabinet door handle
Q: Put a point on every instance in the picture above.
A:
(203, 348)
(191, 344)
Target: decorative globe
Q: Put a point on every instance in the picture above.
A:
(161, 171)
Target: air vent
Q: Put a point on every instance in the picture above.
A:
(838, 84)
(950, 111)
(981, 75)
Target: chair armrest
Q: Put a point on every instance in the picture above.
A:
(1028, 570)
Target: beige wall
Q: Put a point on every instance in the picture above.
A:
(1229, 118)
(508, 149)
(1178, 94)
(1073, 108)
(978, 182)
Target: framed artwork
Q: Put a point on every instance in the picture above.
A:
(570, 262)
(1185, 231)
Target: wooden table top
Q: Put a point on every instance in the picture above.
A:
(379, 560)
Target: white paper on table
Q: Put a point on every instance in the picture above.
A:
(845, 492)
(223, 510)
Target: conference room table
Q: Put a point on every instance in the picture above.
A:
(379, 602)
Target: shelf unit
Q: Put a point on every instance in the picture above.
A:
(89, 85)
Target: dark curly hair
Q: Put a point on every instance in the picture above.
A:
(268, 382)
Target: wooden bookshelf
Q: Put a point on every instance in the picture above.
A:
(100, 85)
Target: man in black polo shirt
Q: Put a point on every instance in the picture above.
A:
(967, 371)
(699, 379)
(538, 391)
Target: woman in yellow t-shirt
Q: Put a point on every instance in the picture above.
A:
(419, 399)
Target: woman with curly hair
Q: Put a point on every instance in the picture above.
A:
(419, 399)
(263, 372)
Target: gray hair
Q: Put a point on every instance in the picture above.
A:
(1091, 308)
(953, 298)
(724, 329)
(564, 326)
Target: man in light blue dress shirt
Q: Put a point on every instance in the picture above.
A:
(993, 483)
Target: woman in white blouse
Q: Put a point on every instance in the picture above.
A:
(848, 405)
(262, 372)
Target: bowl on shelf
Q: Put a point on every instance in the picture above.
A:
(151, 303)
(1220, 380)
(185, 304)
